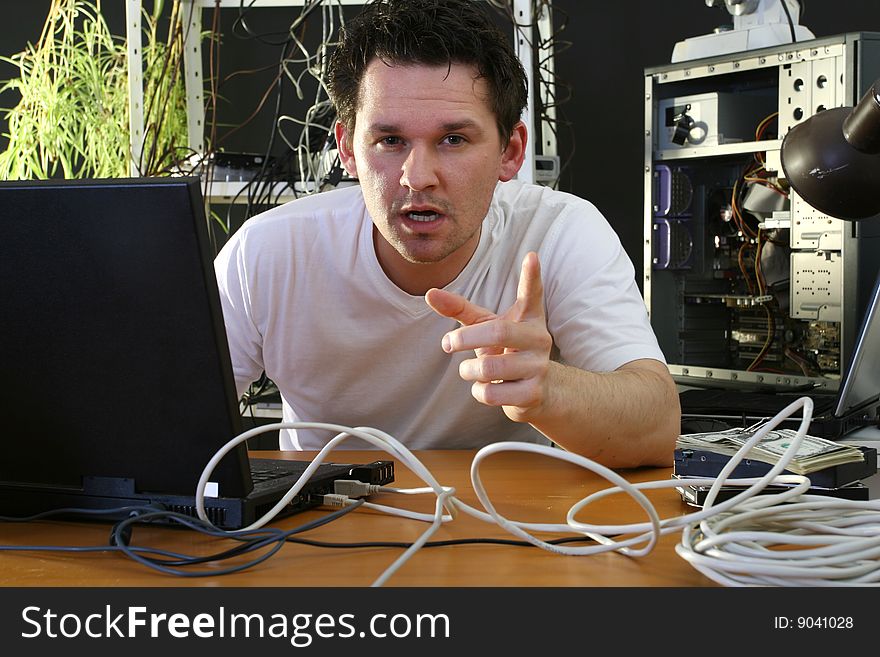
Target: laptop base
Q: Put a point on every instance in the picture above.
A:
(736, 408)
(108, 493)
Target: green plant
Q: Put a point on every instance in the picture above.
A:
(72, 119)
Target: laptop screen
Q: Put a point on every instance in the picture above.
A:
(860, 384)
(115, 361)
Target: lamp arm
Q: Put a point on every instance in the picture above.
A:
(862, 127)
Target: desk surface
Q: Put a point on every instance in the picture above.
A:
(523, 486)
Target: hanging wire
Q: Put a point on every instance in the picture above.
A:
(308, 163)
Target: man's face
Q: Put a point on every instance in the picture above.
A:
(427, 152)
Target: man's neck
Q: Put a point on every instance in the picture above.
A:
(417, 278)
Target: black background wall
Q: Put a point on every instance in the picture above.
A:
(612, 43)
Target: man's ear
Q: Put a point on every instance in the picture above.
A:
(515, 152)
(346, 153)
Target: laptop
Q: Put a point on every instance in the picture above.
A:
(855, 405)
(117, 381)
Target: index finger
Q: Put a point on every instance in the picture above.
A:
(530, 291)
(454, 306)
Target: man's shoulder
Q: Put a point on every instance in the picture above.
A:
(313, 212)
(557, 225)
(528, 206)
(519, 197)
(306, 229)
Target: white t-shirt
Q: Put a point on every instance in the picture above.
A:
(305, 299)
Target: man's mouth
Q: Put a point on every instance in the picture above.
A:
(422, 215)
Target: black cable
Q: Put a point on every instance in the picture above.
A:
(66, 512)
(270, 538)
(251, 34)
(256, 390)
(120, 540)
(252, 207)
(258, 193)
(69, 511)
(446, 543)
(546, 81)
(790, 21)
(260, 196)
(253, 540)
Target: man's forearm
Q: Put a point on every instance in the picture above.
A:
(625, 418)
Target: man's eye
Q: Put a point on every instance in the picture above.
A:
(390, 141)
(454, 140)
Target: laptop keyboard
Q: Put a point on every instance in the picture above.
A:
(263, 470)
(277, 472)
(259, 475)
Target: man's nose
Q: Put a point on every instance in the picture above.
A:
(419, 170)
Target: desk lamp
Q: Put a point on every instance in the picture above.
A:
(832, 159)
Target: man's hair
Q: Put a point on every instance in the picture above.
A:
(432, 33)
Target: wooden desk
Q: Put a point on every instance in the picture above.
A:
(522, 486)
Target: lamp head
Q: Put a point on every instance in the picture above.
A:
(832, 160)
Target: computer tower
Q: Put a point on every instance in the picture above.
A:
(745, 283)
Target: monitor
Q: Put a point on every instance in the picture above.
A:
(113, 349)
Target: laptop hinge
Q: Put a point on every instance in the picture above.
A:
(110, 486)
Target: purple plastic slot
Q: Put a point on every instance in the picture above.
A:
(662, 190)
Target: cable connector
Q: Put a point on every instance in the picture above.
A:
(354, 489)
(336, 500)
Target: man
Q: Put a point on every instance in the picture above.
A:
(346, 299)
